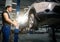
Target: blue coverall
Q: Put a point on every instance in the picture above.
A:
(6, 33)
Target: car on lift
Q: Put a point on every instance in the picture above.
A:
(41, 13)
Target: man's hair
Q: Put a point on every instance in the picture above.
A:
(8, 6)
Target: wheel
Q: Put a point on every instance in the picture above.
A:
(32, 21)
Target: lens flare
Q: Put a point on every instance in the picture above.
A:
(21, 19)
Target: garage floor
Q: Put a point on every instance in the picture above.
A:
(44, 37)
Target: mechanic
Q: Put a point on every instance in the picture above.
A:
(6, 21)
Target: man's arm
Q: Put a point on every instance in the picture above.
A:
(9, 20)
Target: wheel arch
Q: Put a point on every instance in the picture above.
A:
(32, 10)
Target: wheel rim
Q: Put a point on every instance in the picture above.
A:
(31, 20)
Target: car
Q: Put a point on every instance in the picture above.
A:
(41, 13)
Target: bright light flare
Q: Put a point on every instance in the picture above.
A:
(22, 19)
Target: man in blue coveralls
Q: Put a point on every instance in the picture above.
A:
(7, 24)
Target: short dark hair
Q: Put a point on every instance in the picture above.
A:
(8, 6)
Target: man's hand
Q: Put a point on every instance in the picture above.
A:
(15, 23)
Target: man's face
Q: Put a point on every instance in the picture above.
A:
(10, 9)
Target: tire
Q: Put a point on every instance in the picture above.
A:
(32, 21)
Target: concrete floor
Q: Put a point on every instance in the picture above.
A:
(42, 37)
(32, 37)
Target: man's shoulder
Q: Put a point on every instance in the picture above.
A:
(4, 12)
